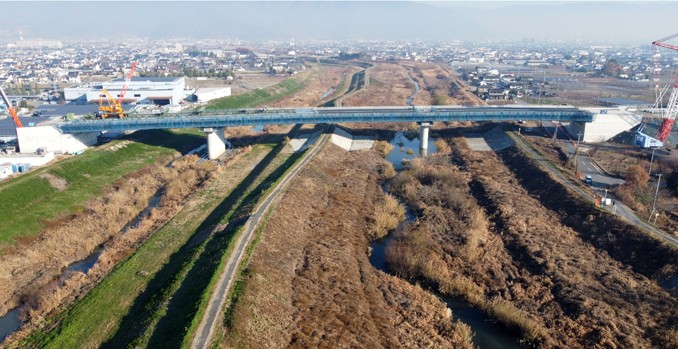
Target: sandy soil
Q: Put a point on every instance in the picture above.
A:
(310, 283)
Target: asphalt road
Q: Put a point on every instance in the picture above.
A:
(587, 166)
(620, 209)
(220, 294)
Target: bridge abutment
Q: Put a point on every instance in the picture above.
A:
(216, 142)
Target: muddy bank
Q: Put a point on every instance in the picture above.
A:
(310, 282)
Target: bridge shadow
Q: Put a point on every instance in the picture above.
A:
(141, 315)
(185, 302)
(181, 142)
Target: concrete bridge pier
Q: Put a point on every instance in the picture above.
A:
(216, 142)
(424, 127)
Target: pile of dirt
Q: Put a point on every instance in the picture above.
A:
(310, 282)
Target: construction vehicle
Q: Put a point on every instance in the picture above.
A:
(671, 109)
(112, 107)
(17, 122)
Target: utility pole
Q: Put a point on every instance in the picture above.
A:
(649, 172)
(654, 204)
(576, 156)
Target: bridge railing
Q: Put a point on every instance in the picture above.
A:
(316, 116)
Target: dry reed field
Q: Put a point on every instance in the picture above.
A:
(485, 233)
(310, 282)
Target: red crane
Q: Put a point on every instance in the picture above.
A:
(17, 122)
(113, 108)
(671, 110)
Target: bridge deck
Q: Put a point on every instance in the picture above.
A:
(330, 116)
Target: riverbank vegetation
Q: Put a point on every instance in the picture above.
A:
(310, 274)
(496, 230)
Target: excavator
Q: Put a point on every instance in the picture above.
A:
(111, 107)
(11, 110)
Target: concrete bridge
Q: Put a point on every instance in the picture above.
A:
(214, 122)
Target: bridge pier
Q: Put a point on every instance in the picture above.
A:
(424, 127)
(216, 142)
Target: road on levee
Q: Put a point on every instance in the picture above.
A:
(219, 295)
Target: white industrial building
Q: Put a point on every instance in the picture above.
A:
(606, 124)
(155, 90)
(207, 94)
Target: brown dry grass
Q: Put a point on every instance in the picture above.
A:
(319, 81)
(310, 283)
(439, 85)
(610, 303)
(527, 269)
(30, 272)
(388, 85)
(387, 215)
(56, 182)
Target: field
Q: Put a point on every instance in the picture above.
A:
(30, 201)
(309, 282)
(496, 230)
(270, 94)
(387, 85)
(325, 80)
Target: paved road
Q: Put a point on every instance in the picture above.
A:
(587, 166)
(218, 298)
(621, 209)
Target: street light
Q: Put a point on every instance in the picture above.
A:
(649, 172)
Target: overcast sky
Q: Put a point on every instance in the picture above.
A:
(607, 21)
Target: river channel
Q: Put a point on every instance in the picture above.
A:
(487, 334)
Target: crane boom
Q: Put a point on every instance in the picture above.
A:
(17, 122)
(671, 110)
(127, 80)
(113, 108)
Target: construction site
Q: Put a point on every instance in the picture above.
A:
(509, 232)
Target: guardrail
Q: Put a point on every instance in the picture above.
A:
(329, 116)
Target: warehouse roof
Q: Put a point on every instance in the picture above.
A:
(8, 129)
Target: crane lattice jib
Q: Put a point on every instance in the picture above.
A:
(17, 122)
(669, 117)
(671, 110)
(126, 84)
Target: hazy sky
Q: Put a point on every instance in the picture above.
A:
(603, 21)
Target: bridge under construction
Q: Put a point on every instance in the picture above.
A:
(214, 122)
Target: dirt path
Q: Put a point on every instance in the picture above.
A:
(218, 298)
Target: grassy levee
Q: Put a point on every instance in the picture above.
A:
(186, 307)
(116, 309)
(259, 96)
(35, 200)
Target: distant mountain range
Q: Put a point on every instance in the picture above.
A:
(627, 22)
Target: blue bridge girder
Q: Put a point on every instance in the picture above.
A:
(255, 117)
